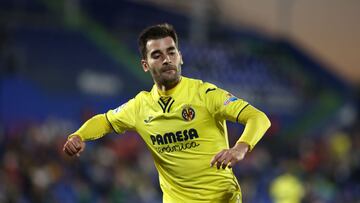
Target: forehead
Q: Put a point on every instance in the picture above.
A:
(159, 44)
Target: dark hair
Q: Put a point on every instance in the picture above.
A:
(155, 32)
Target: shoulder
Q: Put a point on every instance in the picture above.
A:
(201, 86)
(136, 102)
(142, 95)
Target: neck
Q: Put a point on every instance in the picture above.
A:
(167, 86)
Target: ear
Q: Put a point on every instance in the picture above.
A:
(144, 65)
(181, 60)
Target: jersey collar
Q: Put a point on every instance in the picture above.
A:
(157, 93)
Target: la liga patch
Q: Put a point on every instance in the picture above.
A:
(231, 98)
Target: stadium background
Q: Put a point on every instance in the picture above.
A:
(64, 61)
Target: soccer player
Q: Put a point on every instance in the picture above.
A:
(183, 123)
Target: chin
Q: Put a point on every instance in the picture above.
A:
(171, 79)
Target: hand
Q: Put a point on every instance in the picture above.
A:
(74, 146)
(229, 157)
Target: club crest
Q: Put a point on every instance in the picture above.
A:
(188, 113)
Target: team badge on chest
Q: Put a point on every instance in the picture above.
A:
(188, 113)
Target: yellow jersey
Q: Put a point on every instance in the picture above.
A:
(184, 128)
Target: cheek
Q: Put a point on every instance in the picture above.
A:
(177, 60)
(154, 69)
(153, 64)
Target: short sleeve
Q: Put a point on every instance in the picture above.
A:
(123, 117)
(222, 104)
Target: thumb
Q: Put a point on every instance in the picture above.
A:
(81, 148)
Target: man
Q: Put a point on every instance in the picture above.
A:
(183, 123)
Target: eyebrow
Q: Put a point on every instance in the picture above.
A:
(171, 48)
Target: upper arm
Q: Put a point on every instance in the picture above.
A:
(222, 104)
(123, 117)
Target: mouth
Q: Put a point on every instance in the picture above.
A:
(169, 70)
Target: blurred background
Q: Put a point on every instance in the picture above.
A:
(63, 61)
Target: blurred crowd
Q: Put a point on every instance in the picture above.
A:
(35, 169)
(315, 169)
(321, 165)
(118, 168)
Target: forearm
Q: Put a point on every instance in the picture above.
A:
(94, 128)
(256, 123)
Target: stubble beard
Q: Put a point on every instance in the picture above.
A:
(168, 80)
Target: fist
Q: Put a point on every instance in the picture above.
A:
(74, 146)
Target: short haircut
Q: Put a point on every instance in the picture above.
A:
(155, 32)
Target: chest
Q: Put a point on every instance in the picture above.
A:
(172, 114)
(177, 125)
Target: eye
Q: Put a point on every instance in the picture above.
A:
(172, 53)
(156, 56)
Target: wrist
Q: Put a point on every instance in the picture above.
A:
(242, 147)
(75, 136)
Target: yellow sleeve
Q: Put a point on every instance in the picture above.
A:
(93, 128)
(222, 104)
(256, 123)
(123, 117)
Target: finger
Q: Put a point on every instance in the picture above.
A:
(226, 161)
(65, 145)
(76, 143)
(68, 152)
(72, 148)
(79, 143)
(81, 149)
(65, 148)
(221, 160)
(216, 157)
(230, 165)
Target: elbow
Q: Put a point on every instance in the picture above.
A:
(266, 121)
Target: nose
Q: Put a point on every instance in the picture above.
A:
(167, 59)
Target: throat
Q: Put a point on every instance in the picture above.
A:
(168, 86)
